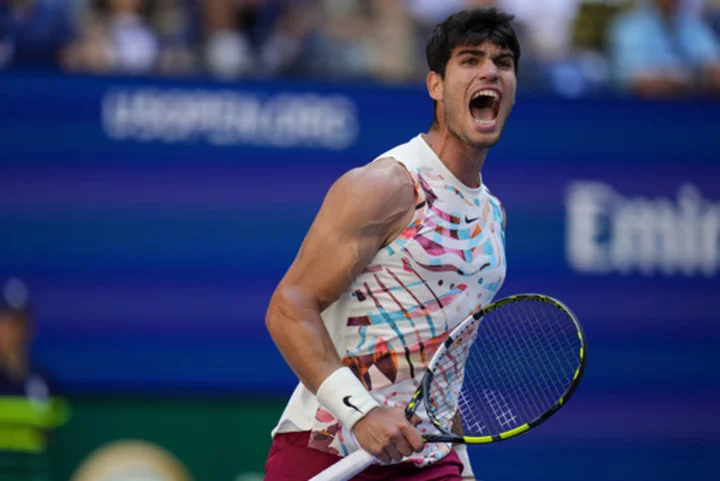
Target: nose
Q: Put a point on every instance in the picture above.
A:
(488, 72)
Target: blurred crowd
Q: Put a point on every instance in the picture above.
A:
(654, 48)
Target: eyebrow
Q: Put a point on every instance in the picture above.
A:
(482, 53)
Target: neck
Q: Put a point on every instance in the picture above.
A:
(463, 160)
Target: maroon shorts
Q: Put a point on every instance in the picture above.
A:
(291, 459)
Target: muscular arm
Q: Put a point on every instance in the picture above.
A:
(363, 210)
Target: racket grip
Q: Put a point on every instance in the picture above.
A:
(347, 467)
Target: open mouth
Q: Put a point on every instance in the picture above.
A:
(485, 107)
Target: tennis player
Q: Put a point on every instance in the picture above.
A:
(402, 250)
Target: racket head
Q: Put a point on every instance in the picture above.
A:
(507, 368)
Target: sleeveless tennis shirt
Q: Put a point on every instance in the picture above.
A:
(448, 262)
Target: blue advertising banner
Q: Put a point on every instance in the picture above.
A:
(152, 220)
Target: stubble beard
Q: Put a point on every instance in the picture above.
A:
(455, 128)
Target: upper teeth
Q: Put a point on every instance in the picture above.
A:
(486, 93)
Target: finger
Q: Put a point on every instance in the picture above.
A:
(415, 420)
(413, 437)
(377, 452)
(383, 457)
(393, 453)
(402, 445)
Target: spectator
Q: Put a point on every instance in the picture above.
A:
(289, 24)
(339, 47)
(28, 412)
(393, 43)
(91, 50)
(33, 33)
(114, 37)
(134, 44)
(547, 24)
(428, 13)
(228, 50)
(659, 50)
(365, 40)
(173, 22)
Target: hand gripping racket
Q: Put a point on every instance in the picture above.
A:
(505, 369)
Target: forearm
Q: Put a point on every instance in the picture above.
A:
(298, 330)
(300, 334)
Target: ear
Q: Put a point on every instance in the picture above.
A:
(435, 86)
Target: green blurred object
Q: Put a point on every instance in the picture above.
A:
(215, 439)
(17, 410)
(25, 425)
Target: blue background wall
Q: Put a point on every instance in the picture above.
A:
(152, 220)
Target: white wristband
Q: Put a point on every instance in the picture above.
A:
(345, 397)
(461, 451)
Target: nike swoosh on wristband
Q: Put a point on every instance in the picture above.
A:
(346, 401)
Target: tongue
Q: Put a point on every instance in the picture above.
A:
(486, 113)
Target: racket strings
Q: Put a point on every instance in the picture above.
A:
(526, 346)
(508, 378)
(522, 362)
(493, 399)
(548, 357)
(449, 375)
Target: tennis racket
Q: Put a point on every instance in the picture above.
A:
(505, 369)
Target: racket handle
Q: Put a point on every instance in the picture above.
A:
(347, 467)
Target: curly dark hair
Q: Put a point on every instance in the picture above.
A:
(471, 27)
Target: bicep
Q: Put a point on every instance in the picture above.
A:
(361, 209)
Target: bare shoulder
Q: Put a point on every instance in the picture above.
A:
(384, 185)
(385, 175)
(362, 209)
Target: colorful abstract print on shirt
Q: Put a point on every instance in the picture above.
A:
(449, 262)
